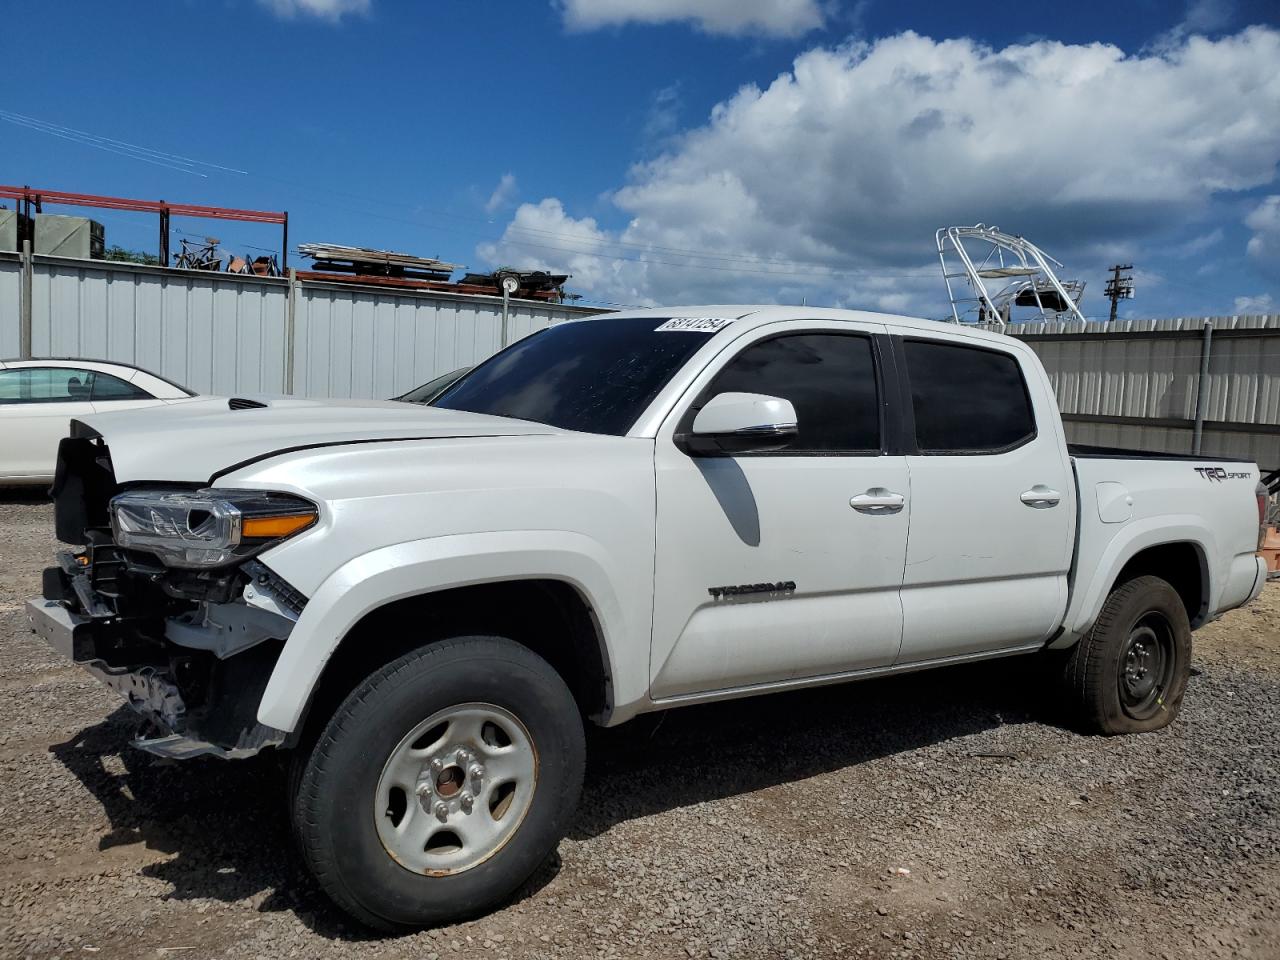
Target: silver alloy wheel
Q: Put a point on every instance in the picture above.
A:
(455, 789)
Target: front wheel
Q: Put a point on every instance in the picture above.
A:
(441, 783)
(1128, 675)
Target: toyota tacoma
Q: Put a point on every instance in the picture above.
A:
(621, 514)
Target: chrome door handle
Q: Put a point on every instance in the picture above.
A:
(878, 500)
(1041, 497)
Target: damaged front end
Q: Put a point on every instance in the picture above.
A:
(165, 603)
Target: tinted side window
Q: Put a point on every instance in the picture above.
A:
(967, 400)
(11, 385)
(44, 385)
(107, 387)
(829, 378)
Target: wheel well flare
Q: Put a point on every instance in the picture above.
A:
(1182, 566)
(550, 617)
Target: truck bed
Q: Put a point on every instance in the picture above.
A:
(1132, 499)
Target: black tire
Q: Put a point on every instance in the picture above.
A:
(1129, 674)
(333, 806)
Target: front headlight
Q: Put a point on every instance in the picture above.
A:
(206, 528)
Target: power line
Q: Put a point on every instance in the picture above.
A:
(169, 159)
(534, 231)
(601, 249)
(814, 269)
(158, 163)
(819, 273)
(173, 161)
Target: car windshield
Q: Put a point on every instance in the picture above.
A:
(595, 375)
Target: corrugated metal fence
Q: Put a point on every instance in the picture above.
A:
(1129, 384)
(225, 333)
(1146, 383)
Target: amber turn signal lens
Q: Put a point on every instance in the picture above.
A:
(266, 528)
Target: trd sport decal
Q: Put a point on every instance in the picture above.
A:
(1218, 474)
(783, 587)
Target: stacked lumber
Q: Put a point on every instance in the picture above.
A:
(365, 261)
(337, 263)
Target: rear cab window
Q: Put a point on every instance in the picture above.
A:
(967, 399)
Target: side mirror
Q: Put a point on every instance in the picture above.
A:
(740, 423)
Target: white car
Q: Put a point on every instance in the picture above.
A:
(614, 515)
(38, 399)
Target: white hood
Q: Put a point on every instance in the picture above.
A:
(191, 441)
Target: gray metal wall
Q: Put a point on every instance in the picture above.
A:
(224, 333)
(1128, 384)
(215, 333)
(1137, 383)
(373, 343)
(10, 297)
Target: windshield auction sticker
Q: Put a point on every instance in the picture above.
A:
(693, 325)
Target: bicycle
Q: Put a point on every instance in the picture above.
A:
(203, 257)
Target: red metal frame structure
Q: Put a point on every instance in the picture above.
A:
(30, 196)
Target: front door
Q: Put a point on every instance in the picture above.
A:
(782, 566)
(36, 408)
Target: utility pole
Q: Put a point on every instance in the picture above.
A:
(1118, 287)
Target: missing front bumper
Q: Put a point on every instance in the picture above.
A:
(57, 626)
(225, 726)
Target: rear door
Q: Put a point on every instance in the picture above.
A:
(782, 566)
(992, 499)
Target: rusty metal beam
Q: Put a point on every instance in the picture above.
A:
(33, 195)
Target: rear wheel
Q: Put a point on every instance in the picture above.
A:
(441, 783)
(1130, 673)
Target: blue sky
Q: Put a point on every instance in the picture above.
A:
(704, 150)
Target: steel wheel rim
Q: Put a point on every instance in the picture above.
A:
(455, 789)
(1147, 661)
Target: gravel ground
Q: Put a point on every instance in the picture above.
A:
(939, 815)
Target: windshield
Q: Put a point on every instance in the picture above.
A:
(595, 375)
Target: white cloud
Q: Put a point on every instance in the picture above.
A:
(1199, 244)
(783, 18)
(578, 247)
(664, 113)
(626, 268)
(332, 10)
(1263, 303)
(502, 194)
(851, 160)
(1202, 17)
(1264, 245)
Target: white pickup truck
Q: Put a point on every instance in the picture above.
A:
(612, 516)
